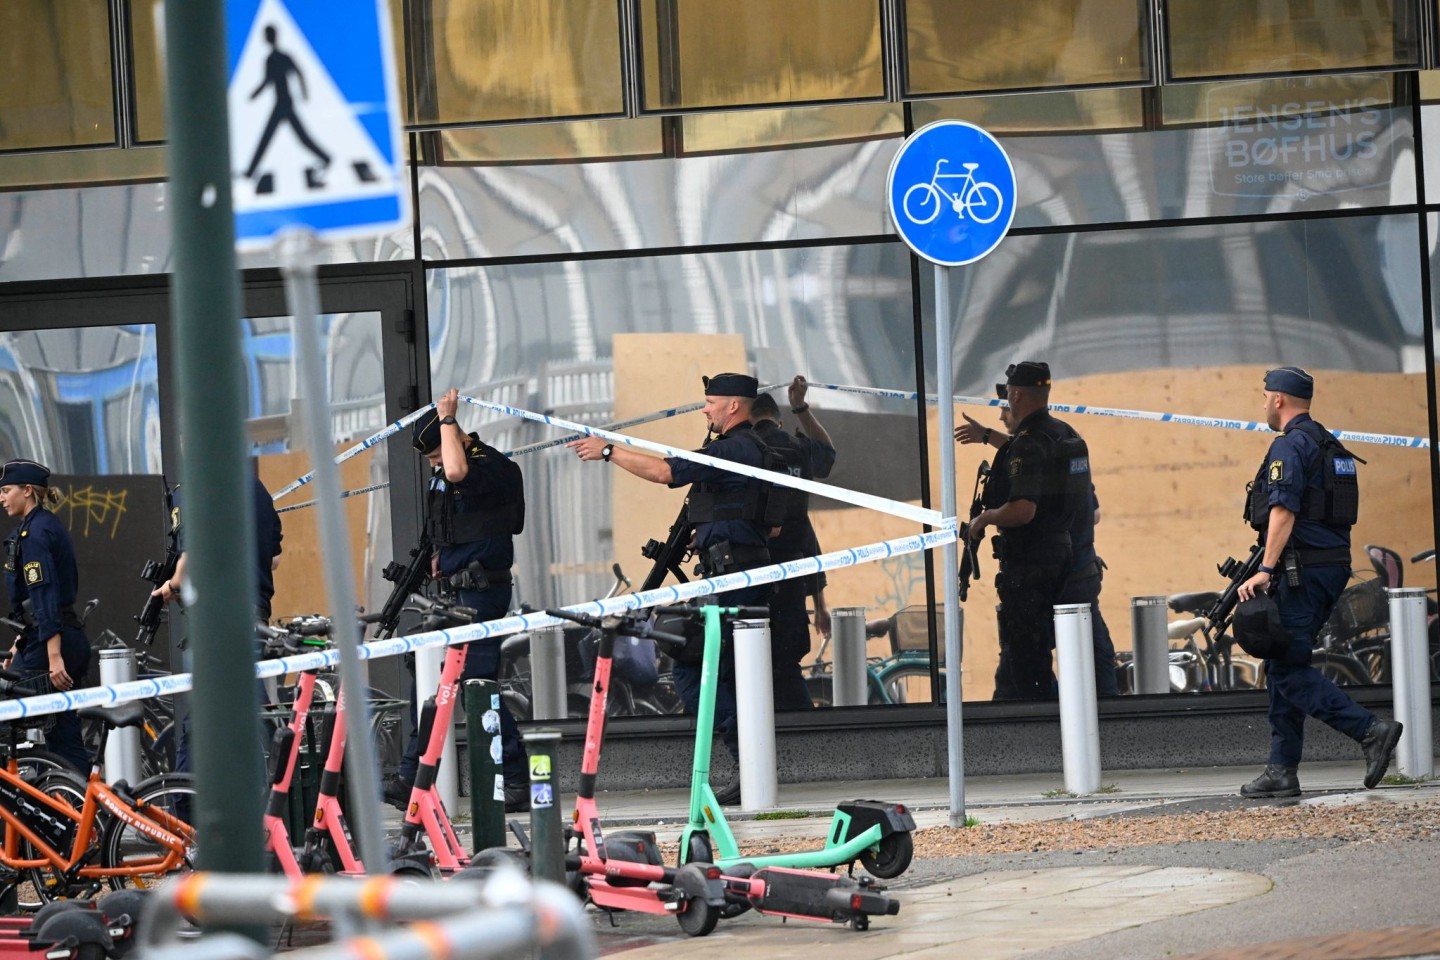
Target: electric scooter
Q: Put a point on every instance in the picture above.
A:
(876, 833)
(617, 871)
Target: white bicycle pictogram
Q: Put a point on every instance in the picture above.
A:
(980, 198)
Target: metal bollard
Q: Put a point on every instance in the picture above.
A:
(1150, 640)
(1079, 721)
(428, 661)
(122, 747)
(547, 838)
(755, 707)
(1410, 666)
(547, 674)
(849, 678)
(487, 781)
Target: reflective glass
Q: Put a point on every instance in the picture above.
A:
(1219, 38)
(147, 88)
(1283, 101)
(55, 168)
(1429, 85)
(720, 53)
(758, 129)
(487, 60)
(57, 90)
(974, 47)
(1026, 113)
(1186, 322)
(531, 142)
(605, 340)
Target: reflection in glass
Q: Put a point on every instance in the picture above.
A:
(1120, 109)
(1206, 38)
(84, 400)
(538, 142)
(488, 60)
(1285, 99)
(55, 168)
(757, 129)
(57, 90)
(147, 72)
(719, 53)
(1024, 44)
(1186, 323)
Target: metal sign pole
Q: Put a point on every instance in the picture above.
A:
(297, 256)
(950, 553)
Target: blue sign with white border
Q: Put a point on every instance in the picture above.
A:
(314, 120)
(951, 192)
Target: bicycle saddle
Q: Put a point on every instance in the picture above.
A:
(130, 714)
(1193, 602)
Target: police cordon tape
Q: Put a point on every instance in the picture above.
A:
(1356, 436)
(109, 695)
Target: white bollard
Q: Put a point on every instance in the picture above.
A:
(849, 679)
(1410, 668)
(122, 748)
(428, 661)
(1079, 721)
(548, 699)
(1150, 641)
(755, 706)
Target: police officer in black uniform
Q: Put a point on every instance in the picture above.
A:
(474, 509)
(808, 456)
(1303, 502)
(728, 511)
(42, 579)
(1040, 478)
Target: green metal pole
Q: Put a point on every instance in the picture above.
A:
(487, 784)
(547, 836)
(218, 515)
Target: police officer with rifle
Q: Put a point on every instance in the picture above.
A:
(1303, 501)
(1040, 478)
(732, 515)
(160, 574)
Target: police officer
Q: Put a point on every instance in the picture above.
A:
(811, 455)
(474, 509)
(728, 511)
(1303, 502)
(1040, 478)
(42, 578)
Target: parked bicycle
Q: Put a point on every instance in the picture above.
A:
(901, 677)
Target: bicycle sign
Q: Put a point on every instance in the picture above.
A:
(951, 192)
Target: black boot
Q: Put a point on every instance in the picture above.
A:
(1379, 745)
(1276, 781)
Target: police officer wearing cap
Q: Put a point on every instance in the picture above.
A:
(474, 508)
(1041, 476)
(42, 578)
(727, 510)
(1303, 501)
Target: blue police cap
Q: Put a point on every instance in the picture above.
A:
(731, 385)
(425, 435)
(1291, 380)
(17, 472)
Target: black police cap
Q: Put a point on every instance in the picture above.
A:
(731, 385)
(17, 473)
(1026, 373)
(425, 435)
(1291, 380)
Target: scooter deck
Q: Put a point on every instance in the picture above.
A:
(806, 895)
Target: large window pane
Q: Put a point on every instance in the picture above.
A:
(538, 142)
(57, 88)
(758, 129)
(54, 168)
(480, 60)
(147, 72)
(1039, 112)
(974, 47)
(1218, 38)
(1286, 103)
(718, 53)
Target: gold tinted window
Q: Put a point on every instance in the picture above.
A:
(488, 60)
(723, 53)
(59, 168)
(1216, 38)
(147, 71)
(1280, 99)
(55, 58)
(538, 142)
(756, 129)
(955, 47)
(1039, 112)
(1430, 85)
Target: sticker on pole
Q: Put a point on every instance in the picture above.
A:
(951, 192)
(314, 120)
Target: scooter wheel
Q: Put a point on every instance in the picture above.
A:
(890, 860)
(123, 908)
(698, 918)
(698, 850)
(88, 927)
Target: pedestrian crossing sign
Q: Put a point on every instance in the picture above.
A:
(314, 120)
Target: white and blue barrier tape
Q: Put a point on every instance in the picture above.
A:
(112, 694)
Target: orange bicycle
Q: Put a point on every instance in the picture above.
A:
(70, 836)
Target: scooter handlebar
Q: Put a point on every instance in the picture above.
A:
(696, 613)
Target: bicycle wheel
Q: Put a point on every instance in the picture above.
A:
(35, 763)
(47, 884)
(984, 197)
(124, 846)
(907, 683)
(929, 198)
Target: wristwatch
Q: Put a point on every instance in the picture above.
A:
(606, 450)
(800, 409)
(445, 420)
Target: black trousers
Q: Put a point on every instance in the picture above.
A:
(1028, 594)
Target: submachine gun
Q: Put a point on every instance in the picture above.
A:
(408, 579)
(668, 556)
(970, 551)
(1222, 611)
(153, 613)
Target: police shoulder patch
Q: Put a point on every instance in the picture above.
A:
(33, 574)
(1015, 467)
(1277, 471)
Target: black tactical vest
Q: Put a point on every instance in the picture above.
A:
(763, 503)
(499, 514)
(1335, 503)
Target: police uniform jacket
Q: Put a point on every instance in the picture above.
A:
(268, 535)
(737, 449)
(40, 567)
(1292, 467)
(492, 480)
(1023, 471)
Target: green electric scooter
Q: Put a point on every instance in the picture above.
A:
(875, 833)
